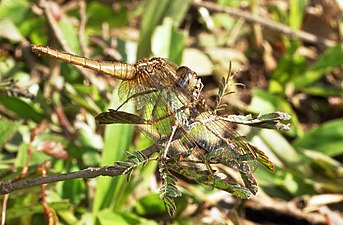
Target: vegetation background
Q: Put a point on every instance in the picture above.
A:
(47, 108)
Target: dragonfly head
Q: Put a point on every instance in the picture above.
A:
(188, 80)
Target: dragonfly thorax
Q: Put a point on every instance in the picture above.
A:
(148, 65)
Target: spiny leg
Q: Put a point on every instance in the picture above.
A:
(165, 150)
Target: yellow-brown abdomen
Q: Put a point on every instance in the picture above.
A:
(122, 71)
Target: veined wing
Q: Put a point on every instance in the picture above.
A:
(154, 95)
(238, 148)
(161, 111)
(189, 159)
(162, 94)
(194, 156)
(156, 73)
(163, 76)
(200, 147)
(225, 146)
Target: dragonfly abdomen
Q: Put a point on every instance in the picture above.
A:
(118, 70)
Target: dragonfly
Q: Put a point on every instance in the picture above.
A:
(171, 110)
(193, 136)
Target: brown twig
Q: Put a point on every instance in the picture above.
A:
(305, 36)
(112, 171)
(3, 209)
(64, 120)
(49, 214)
(281, 209)
(83, 21)
(54, 26)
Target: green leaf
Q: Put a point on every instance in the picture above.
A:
(152, 17)
(327, 138)
(150, 204)
(297, 11)
(167, 42)
(284, 151)
(294, 183)
(154, 13)
(328, 166)
(290, 66)
(99, 13)
(9, 31)
(15, 10)
(177, 44)
(81, 99)
(232, 3)
(24, 209)
(21, 155)
(7, 130)
(70, 33)
(112, 192)
(264, 102)
(73, 190)
(68, 215)
(324, 90)
(177, 10)
(330, 59)
(284, 183)
(21, 108)
(107, 217)
(238, 191)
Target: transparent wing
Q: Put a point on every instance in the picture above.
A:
(158, 102)
(225, 146)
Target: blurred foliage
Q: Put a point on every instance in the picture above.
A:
(281, 74)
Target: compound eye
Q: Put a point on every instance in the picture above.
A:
(183, 72)
(183, 75)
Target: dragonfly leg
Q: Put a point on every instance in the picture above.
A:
(165, 150)
(211, 175)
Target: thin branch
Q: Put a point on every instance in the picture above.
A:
(46, 6)
(83, 21)
(3, 210)
(63, 119)
(305, 36)
(282, 209)
(88, 173)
